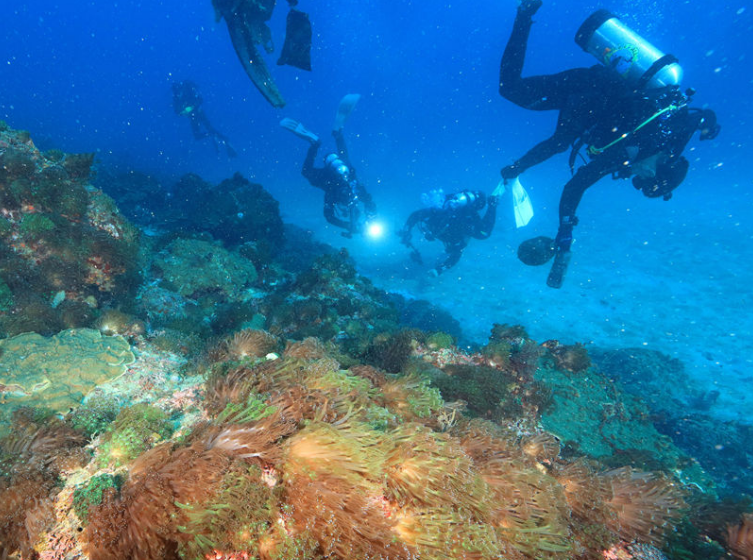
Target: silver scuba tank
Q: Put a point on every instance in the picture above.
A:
(615, 45)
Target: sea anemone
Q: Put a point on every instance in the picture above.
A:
(411, 397)
(256, 442)
(541, 447)
(142, 521)
(113, 322)
(584, 491)
(447, 534)
(642, 505)
(248, 343)
(307, 349)
(426, 469)
(332, 487)
(26, 511)
(32, 459)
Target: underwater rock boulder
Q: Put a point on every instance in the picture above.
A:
(192, 268)
(236, 211)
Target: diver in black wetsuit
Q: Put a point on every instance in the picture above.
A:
(454, 223)
(343, 192)
(632, 129)
(187, 102)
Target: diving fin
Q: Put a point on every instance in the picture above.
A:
(253, 62)
(299, 130)
(521, 204)
(296, 50)
(347, 104)
(536, 251)
(558, 270)
(500, 189)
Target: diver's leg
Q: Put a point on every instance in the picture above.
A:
(572, 194)
(538, 93)
(514, 56)
(342, 148)
(511, 84)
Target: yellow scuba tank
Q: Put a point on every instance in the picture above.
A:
(615, 45)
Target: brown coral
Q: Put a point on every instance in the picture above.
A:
(142, 522)
(35, 455)
(740, 538)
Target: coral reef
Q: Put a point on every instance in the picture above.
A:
(59, 371)
(284, 408)
(740, 538)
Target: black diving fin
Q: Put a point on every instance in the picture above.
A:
(558, 270)
(252, 61)
(296, 50)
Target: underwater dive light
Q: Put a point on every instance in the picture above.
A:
(374, 230)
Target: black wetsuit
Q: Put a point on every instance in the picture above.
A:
(596, 107)
(453, 227)
(339, 194)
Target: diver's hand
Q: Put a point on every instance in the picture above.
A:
(405, 236)
(510, 172)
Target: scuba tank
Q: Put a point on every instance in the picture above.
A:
(617, 46)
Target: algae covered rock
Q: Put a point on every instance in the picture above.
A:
(59, 238)
(193, 268)
(59, 371)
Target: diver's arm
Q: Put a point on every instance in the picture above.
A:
(367, 200)
(413, 219)
(540, 152)
(694, 121)
(416, 217)
(329, 215)
(485, 225)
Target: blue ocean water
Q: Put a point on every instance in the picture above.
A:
(673, 276)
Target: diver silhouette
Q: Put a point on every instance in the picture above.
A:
(347, 203)
(629, 111)
(453, 220)
(187, 103)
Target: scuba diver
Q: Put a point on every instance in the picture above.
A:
(344, 194)
(247, 25)
(187, 103)
(453, 219)
(629, 111)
